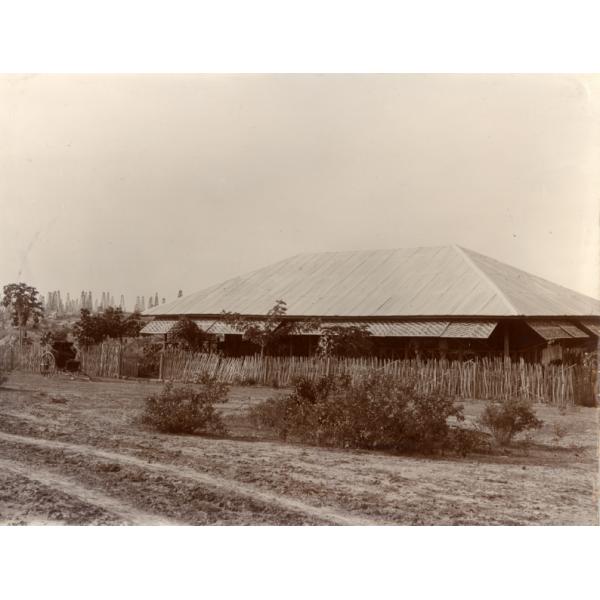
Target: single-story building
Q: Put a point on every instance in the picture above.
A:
(434, 301)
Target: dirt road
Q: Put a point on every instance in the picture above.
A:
(72, 452)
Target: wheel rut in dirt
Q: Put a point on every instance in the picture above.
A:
(129, 514)
(326, 514)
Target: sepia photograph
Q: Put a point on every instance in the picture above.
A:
(302, 299)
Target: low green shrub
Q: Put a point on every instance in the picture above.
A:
(507, 418)
(185, 409)
(374, 413)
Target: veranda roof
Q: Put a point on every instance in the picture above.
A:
(158, 327)
(557, 330)
(443, 329)
(593, 326)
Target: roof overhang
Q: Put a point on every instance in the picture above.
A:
(158, 327)
(212, 326)
(405, 329)
(548, 329)
(421, 328)
(592, 325)
(557, 330)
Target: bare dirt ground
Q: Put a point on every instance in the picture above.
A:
(72, 452)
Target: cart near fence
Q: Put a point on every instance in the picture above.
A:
(33, 358)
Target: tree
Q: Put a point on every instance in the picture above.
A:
(188, 334)
(349, 341)
(88, 330)
(23, 303)
(111, 323)
(118, 326)
(268, 331)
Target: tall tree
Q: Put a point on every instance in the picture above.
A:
(23, 302)
(111, 323)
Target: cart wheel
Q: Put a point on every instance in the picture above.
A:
(47, 363)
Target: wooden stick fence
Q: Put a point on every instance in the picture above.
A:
(33, 358)
(483, 379)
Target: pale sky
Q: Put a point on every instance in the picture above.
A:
(137, 184)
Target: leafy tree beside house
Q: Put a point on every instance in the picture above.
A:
(111, 323)
(188, 335)
(269, 330)
(23, 303)
(345, 340)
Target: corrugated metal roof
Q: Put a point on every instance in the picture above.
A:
(408, 328)
(444, 281)
(593, 326)
(556, 330)
(470, 329)
(531, 295)
(573, 330)
(389, 328)
(163, 326)
(216, 327)
(158, 327)
(444, 329)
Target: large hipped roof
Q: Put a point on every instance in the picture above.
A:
(447, 281)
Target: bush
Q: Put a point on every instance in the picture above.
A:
(507, 418)
(341, 340)
(186, 410)
(188, 335)
(374, 413)
(466, 441)
(149, 365)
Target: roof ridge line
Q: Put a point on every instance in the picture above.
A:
(462, 252)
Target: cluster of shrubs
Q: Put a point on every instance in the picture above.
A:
(376, 412)
(379, 412)
(185, 409)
